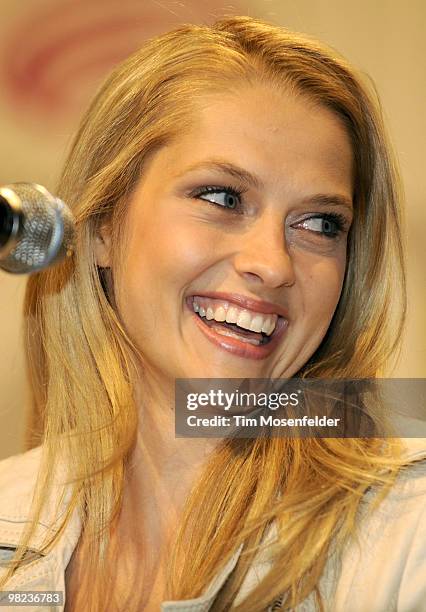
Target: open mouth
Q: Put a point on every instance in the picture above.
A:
(236, 328)
(232, 330)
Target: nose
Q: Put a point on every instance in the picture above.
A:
(262, 255)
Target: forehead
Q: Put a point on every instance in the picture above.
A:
(283, 138)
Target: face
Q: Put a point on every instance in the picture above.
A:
(244, 219)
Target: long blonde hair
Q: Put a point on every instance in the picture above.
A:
(81, 361)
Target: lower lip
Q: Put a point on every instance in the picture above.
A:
(237, 347)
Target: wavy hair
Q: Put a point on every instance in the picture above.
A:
(81, 361)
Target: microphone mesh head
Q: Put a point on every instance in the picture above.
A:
(46, 235)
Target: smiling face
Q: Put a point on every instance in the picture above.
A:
(248, 212)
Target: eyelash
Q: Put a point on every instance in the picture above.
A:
(237, 192)
(338, 219)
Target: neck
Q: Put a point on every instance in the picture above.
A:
(163, 468)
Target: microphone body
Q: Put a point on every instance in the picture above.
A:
(36, 228)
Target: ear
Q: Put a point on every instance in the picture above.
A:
(103, 241)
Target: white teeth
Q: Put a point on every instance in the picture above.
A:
(244, 320)
(273, 326)
(232, 315)
(220, 314)
(268, 326)
(256, 324)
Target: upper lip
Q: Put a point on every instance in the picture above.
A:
(244, 301)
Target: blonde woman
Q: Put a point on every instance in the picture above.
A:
(243, 167)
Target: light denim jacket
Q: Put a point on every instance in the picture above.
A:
(384, 572)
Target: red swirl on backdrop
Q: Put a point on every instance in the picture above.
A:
(55, 56)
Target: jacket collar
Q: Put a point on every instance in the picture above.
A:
(17, 481)
(18, 475)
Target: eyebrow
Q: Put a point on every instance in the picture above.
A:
(332, 199)
(220, 165)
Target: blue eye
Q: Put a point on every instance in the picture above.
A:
(329, 225)
(227, 197)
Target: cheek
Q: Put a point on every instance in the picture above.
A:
(321, 283)
(175, 256)
(164, 254)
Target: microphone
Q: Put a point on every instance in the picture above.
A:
(36, 228)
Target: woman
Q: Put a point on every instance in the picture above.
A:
(230, 171)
